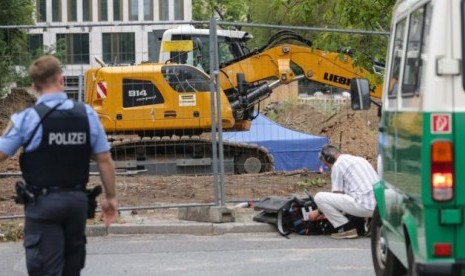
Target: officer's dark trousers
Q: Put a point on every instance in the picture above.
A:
(55, 234)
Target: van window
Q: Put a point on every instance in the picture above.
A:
(415, 47)
(396, 59)
(425, 40)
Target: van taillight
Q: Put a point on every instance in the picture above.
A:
(442, 171)
(442, 250)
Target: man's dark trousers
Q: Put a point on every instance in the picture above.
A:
(55, 233)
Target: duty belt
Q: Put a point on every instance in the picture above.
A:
(38, 191)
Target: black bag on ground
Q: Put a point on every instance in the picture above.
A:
(359, 223)
(287, 214)
(303, 226)
(274, 210)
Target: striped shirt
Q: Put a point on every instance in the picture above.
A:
(355, 177)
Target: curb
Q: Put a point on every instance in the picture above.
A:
(252, 227)
(201, 228)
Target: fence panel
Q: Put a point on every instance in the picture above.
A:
(157, 113)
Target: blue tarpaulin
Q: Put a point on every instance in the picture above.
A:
(292, 150)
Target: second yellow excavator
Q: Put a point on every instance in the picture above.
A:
(157, 113)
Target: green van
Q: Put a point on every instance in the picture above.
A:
(418, 226)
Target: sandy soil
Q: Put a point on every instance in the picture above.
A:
(174, 190)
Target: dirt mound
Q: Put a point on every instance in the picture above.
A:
(355, 132)
(15, 101)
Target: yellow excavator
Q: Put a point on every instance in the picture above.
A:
(158, 115)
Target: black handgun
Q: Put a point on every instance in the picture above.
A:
(23, 194)
(92, 195)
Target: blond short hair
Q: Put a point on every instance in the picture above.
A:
(45, 70)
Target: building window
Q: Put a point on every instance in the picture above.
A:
(56, 10)
(117, 10)
(148, 10)
(178, 9)
(72, 10)
(164, 10)
(119, 48)
(71, 81)
(86, 10)
(73, 48)
(72, 87)
(152, 47)
(35, 45)
(41, 10)
(133, 11)
(103, 10)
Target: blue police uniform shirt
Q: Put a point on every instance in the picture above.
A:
(25, 121)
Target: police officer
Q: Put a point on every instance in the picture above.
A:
(58, 137)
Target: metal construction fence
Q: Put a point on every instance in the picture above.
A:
(195, 116)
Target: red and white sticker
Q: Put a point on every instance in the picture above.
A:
(101, 90)
(441, 123)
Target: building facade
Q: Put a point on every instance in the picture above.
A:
(80, 30)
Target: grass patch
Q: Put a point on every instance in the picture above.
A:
(276, 113)
(11, 231)
(311, 182)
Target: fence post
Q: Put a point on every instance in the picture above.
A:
(80, 87)
(213, 86)
(219, 122)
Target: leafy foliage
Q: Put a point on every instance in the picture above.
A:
(225, 10)
(372, 15)
(11, 231)
(358, 14)
(13, 42)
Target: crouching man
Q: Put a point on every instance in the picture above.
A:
(352, 178)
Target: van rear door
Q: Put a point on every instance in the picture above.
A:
(458, 124)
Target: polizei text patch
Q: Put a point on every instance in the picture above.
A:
(67, 138)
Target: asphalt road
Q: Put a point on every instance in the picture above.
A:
(228, 254)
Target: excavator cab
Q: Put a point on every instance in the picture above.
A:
(231, 45)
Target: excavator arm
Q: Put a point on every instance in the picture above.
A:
(245, 76)
(329, 68)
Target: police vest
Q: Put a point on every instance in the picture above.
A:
(62, 158)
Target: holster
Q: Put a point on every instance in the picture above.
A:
(23, 194)
(92, 195)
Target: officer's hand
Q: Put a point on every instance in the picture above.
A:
(109, 211)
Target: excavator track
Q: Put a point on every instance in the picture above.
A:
(162, 155)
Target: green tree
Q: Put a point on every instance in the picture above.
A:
(358, 14)
(340, 14)
(372, 15)
(13, 41)
(224, 10)
(280, 12)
